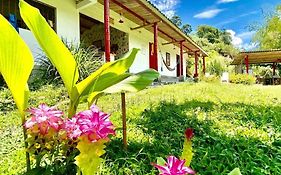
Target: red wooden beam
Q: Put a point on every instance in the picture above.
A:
(204, 65)
(196, 64)
(247, 63)
(274, 69)
(140, 17)
(107, 30)
(181, 58)
(129, 10)
(155, 27)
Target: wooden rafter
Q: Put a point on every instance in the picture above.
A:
(145, 25)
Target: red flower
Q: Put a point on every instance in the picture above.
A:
(189, 133)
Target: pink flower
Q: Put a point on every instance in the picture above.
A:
(174, 166)
(43, 119)
(189, 133)
(90, 124)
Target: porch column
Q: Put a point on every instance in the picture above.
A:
(155, 27)
(107, 30)
(204, 65)
(274, 68)
(181, 58)
(196, 64)
(247, 63)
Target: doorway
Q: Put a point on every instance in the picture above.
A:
(178, 66)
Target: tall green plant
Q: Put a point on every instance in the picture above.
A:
(98, 82)
(16, 63)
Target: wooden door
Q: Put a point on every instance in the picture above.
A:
(152, 60)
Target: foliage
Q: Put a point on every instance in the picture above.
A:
(210, 79)
(268, 34)
(217, 64)
(16, 64)
(264, 71)
(228, 119)
(242, 79)
(176, 20)
(185, 28)
(214, 35)
(85, 57)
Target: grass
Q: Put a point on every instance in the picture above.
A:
(235, 126)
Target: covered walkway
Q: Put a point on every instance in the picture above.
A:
(272, 57)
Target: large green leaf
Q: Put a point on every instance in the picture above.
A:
(134, 83)
(106, 76)
(16, 63)
(127, 83)
(50, 42)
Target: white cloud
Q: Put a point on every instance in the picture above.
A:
(246, 35)
(238, 40)
(249, 46)
(208, 13)
(168, 7)
(235, 19)
(226, 1)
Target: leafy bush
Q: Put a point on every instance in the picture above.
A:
(242, 79)
(86, 58)
(217, 64)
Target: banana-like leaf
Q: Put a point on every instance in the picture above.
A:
(133, 83)
(99, 90)
(16, 63)
(106, 76)
(52, 45)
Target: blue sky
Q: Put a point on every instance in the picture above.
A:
(233, 15)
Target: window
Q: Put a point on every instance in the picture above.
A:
(10, 7)
(168, 59)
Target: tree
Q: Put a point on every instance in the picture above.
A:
(186, 28)
(208, 32)
(176, 20)
(268, 35)
(225, 37)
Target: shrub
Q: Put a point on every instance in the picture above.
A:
(242, 79)
(86, 57)
(210, 79)
(217, 64)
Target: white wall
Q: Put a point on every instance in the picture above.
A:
(67, 21)
(67, 18)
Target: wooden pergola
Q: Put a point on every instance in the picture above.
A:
(258, 57)
(147, 16)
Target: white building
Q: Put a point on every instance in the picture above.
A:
(133, 24)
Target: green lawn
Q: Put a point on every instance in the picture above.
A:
(235, 126)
